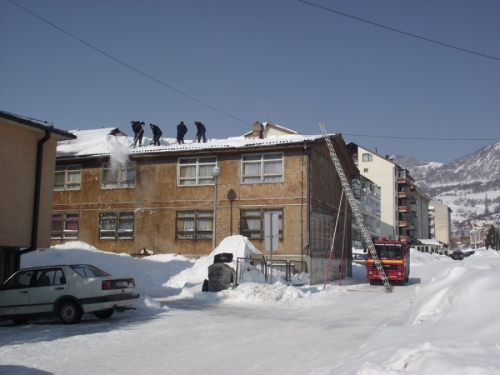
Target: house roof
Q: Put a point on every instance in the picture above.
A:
(107, 141)
(17, 120)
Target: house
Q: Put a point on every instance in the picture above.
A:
(162, 199)
(27, 161)
(403, 212)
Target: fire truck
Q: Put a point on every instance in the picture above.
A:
(394, 257)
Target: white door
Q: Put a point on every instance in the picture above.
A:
(49, 284)
(14, 297)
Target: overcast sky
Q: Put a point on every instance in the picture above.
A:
(229, 63)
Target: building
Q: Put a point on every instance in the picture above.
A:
(161, 198)
(399, 200)
(367, 194)
(440, 222)
(27, 157)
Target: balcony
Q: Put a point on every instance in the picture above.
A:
(404, 209)
(403, 195)
(404, 181)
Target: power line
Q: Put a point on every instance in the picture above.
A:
(399, 31)
(127, 65)
(422, 138)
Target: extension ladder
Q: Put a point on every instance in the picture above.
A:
(355, 209)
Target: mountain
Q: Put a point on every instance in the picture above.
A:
(468, 184)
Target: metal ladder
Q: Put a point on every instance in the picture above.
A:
(355, 209)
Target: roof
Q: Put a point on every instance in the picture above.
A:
(426, 241)
(17, 120)
(108, 142)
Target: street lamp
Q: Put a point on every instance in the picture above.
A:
(215, 174)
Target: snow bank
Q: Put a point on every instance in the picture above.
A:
(451, 327)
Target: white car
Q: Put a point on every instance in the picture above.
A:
(67, 291)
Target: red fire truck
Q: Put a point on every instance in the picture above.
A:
(394, 257)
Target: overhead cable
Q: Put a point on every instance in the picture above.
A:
(399, 31)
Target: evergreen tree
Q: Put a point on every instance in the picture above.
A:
(491, 238)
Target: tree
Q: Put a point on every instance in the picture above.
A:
(491, 239)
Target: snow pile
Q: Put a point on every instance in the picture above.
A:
(450, 327)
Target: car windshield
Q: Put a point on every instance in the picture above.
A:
(388, 251)
(88, 271)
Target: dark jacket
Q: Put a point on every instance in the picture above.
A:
(136, 127)
(200, 127)
(182, 129)
(156, 131)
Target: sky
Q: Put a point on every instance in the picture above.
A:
(444, 321)
(93, 64)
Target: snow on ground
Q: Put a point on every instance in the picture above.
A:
(444, 321)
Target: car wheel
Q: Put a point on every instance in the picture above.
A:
(69, 312)
(105, 314)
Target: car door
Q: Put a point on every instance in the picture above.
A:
(14, 295)
(48, 285)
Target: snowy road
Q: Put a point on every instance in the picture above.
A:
(196, 337)
(443, 322)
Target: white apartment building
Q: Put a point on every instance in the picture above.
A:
(367, 195)
(402, 208)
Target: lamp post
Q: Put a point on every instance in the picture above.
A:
(215, 174)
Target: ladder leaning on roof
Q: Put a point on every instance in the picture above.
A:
(355, 209)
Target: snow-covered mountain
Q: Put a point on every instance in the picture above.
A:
(470, 185)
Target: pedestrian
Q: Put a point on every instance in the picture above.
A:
(181, 132)
(138, 129)
(157, 133)
(200, 132)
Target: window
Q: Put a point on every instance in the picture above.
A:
(65, 226)
(68, 177)
(367, 157)
(196, 170)
(118, 176)
(193, 225)
(48, 277)
(88, 271)
(252, 223)
(262, 168)
(365, 170)
(116, 225)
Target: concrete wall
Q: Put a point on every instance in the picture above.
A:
(18, 153)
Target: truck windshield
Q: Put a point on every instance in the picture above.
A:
(386, 251)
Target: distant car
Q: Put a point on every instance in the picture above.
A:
(457, 255)
(469, 253)
(66, 291)
(359, 258)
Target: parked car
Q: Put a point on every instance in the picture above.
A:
(359, 258)
(457, 255)
(66, 291)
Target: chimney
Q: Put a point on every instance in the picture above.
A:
(257, 130)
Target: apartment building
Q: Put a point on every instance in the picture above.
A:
(163, 198)
(400, 202)
(440, 222)
(367, 195)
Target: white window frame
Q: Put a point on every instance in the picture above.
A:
(261, 163)
(367, 157)
(196, 170)
(64, 233)
(69, 172)
(112, 225)
(122, 178)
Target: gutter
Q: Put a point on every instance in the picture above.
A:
(36, 200)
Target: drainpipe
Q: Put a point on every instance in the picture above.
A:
(36, 200)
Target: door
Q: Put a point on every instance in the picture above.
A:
(14, 296)
(48, 285)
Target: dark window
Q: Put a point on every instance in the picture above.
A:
(252, 223)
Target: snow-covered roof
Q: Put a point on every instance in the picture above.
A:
(426, 241)
(102, 142)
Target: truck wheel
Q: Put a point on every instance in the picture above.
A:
(69, 312)
(372, 282)
(105, 314)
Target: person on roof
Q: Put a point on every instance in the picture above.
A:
(157, 133)
(138, 128)
(200, 132)
(181, 132)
